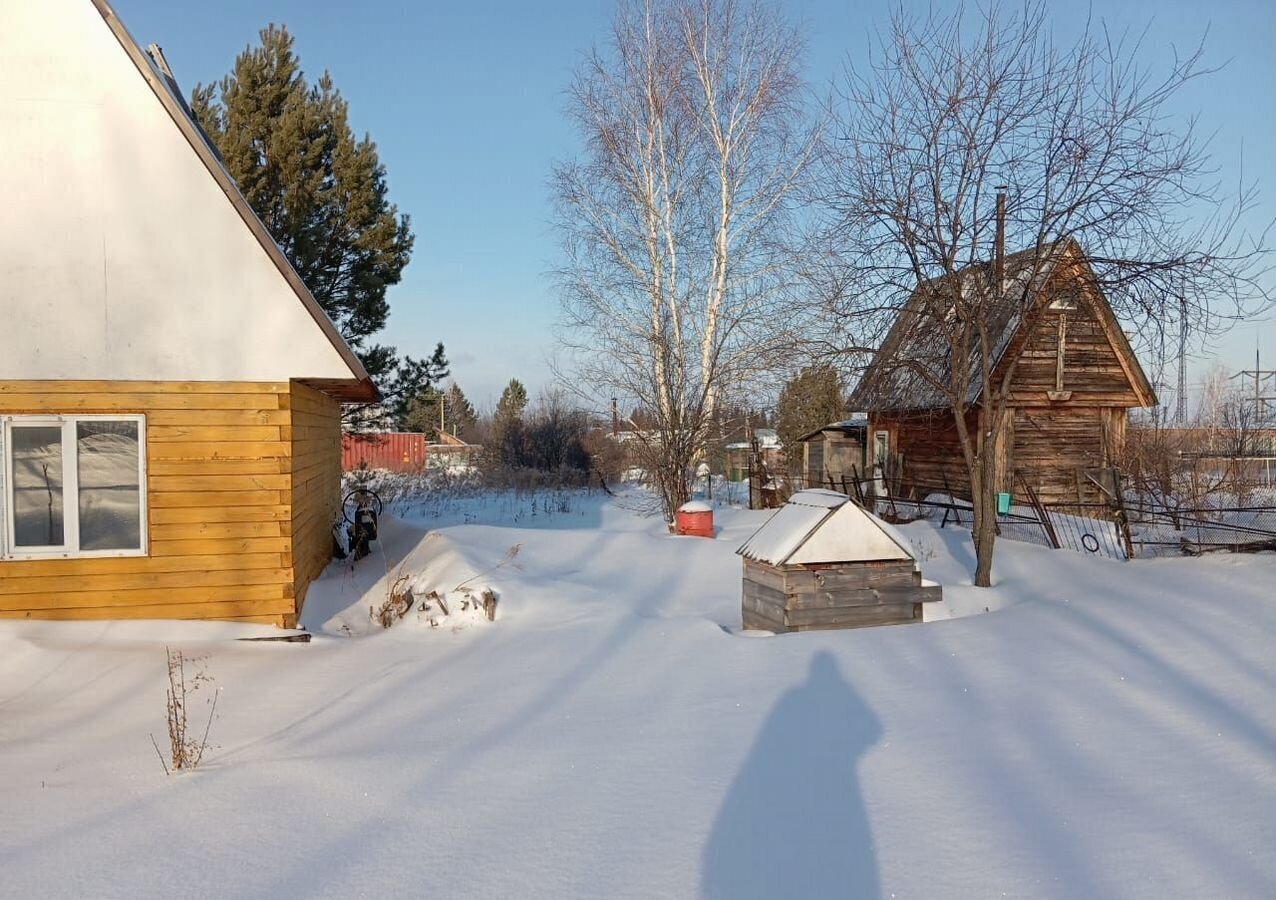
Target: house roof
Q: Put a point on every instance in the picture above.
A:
(823, 527)
(767, 439)
(914, 344)
(359, 387)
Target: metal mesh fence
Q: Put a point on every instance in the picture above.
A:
(1121, 528)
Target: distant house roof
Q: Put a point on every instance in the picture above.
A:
(452, 442)
(767, 438)
(914, 344)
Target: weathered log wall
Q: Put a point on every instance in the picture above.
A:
(1074, 379)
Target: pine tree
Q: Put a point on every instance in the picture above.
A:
(322, 195)
(457, 416)
(808, 401)
(421, 413)
(458, 411)
(513, 400)
(507, 424)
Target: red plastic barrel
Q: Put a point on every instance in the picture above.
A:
(694, 518)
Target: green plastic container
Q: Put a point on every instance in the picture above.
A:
(1003, 504)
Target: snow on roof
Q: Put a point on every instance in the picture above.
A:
(767, 437)
(857, 422)
(783, 533)
(819, 526)
(819, 497)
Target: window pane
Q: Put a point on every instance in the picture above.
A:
(37, 485)
(110, 511)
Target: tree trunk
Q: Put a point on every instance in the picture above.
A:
(675, 487)
(983, 496)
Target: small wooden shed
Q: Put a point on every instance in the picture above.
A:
(823, 562)
(835, 452)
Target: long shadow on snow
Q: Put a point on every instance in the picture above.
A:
(793, 824)
(322, 866)
(960, 547)
(1025, 787)
(340, 715)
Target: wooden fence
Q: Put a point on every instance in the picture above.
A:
(1117, 527)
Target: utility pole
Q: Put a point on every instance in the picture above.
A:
(1180, 412)
(1263, 402)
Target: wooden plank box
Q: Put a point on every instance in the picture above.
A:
(846, 595)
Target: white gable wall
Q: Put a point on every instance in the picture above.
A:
(120, 256)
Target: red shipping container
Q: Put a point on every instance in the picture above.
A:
(397, 451)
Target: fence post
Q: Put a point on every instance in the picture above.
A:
(857, 484)
(1042, 515)
(1123, 521)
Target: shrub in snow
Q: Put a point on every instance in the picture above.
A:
(184, 750)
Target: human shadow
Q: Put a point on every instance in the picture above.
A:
(793, 824)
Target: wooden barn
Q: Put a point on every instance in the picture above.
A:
(170, 442)
(1074, 380)
(823, 562)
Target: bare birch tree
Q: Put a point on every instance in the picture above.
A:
(673, 218)
(1086, 143)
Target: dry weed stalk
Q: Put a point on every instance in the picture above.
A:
(507, 562)
(185, 752)
(398, 601)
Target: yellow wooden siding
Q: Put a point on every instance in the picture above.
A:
(315, 432)
(219, 496)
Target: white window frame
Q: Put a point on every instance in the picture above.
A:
(879, 459)
(70, 548)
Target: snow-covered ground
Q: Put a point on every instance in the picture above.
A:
(1109, 731)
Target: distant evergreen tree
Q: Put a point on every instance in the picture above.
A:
(457, 416)
(421, 413)
(508, 433)
(811, 399)
(321, 194)
(458, 411)
(513, 400)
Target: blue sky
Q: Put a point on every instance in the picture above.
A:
(465, 101)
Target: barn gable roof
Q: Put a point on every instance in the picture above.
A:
(893, 381)
(135, 256)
